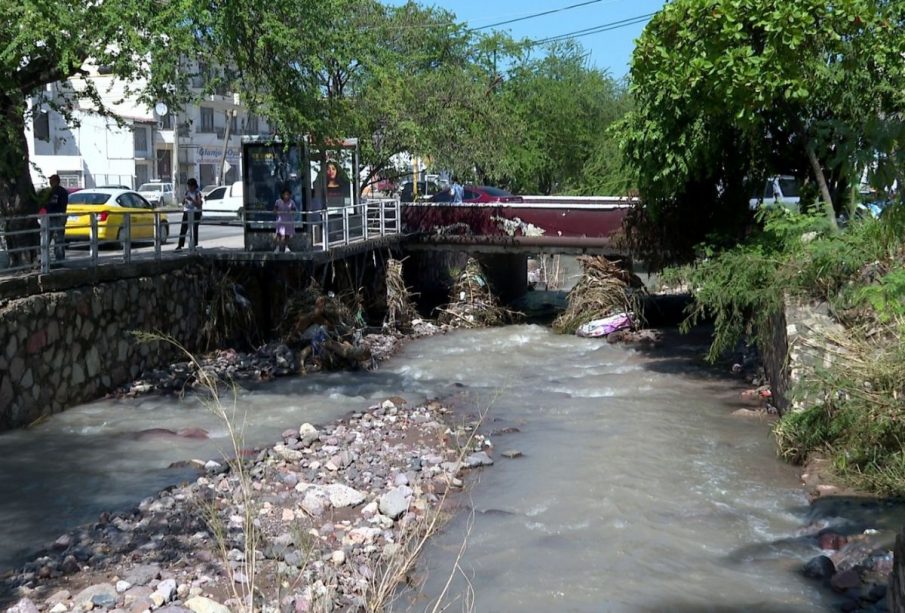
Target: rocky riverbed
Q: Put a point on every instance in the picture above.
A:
(329, 518)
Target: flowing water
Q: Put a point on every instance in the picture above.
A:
(637, 490)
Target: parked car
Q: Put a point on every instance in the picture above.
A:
(110, 207)
(112, 187)
(478, 194)
(779, 189)
(158, 193)
(426, 189)
(224, 202)
(208, 189)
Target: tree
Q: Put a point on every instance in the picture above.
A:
(564, 108)
(726, 91)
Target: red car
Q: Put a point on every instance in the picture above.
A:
(478, 193)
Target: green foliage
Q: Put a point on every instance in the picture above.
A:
(886, 297)
(728, 91)
(791, 254)
(857, 424)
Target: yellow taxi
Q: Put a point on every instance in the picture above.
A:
(111, 207)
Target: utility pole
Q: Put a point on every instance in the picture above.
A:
(230, 114)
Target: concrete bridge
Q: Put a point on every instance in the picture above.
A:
(549, 224)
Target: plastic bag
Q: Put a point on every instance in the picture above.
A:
(607, 325)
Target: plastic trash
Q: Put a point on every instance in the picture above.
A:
(607, 325)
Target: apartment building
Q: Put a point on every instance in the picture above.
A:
(144, 144)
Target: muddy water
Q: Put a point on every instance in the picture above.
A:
(636, 491)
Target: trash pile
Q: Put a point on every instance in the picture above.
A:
(324, 330)
(603, 301)
(400, 310)
(472, 303)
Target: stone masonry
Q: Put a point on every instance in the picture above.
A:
(59, 348)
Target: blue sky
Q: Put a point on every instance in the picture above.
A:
(610, 50)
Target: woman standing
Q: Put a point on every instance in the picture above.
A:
(191, 207)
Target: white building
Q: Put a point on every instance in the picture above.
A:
(97, 151)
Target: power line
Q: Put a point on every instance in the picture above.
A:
(550, 12)
(613, 25)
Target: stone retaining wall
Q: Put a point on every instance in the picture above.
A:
(63, 347)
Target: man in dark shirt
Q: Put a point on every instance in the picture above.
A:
(56, 216)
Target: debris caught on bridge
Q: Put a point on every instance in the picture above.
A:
(228, 313)
(472, 303)
(400, 310)
(517, 227)
(605, 289)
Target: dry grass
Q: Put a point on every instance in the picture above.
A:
(604, 289)
(400, 310)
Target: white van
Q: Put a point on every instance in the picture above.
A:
(780, 189)
(224, 202)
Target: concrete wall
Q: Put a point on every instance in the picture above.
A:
(73, 344)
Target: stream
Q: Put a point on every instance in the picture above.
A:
(637, 489)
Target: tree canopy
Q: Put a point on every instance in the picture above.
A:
(730, 91)
(403, 78)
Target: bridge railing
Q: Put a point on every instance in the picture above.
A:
(43, 242)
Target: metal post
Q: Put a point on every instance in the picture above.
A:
(192, 231)
(127, 236)
(365, 212)
(398, 225)
(44, 223)
(326, 232)
(345, 225)
(383, 221)
(156, 235)
(93, 246)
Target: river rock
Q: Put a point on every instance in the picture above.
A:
(143, 574)
(478, 459)
(395, 502)
(845, 580)
(342, 496)
(512, 454)
(23, 606)
(316, 501)
(103, 591)
(831, 540)
(338, 557)
(287, 454)
(167, 589)
(308, 434)
(819, 567)
(200, 604)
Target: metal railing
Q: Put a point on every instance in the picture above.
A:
(43, 242)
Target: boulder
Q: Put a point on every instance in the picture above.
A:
(819, 567)
(199, 604)
(395, 502)
(96, 594)
(342, 496)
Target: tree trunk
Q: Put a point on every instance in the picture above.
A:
(17, 193)
(822, 185)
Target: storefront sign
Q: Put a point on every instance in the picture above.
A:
(213, 155)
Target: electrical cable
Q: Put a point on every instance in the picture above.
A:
(550, 12)
(613, 25)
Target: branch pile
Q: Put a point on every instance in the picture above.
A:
(472, 303)
(605, 289)
(400, 311)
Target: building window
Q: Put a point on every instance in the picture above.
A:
(251, 124)
(207, 119)
(70, 179)
(166, 122)
(42, 125)
(142, 173)
(140, 135)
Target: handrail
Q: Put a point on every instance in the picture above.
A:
(30, 243)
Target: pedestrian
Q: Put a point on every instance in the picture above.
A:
(56, 216)
(456, 191)
(285, 209)
(191, 208)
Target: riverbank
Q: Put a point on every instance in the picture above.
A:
(329, 517)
